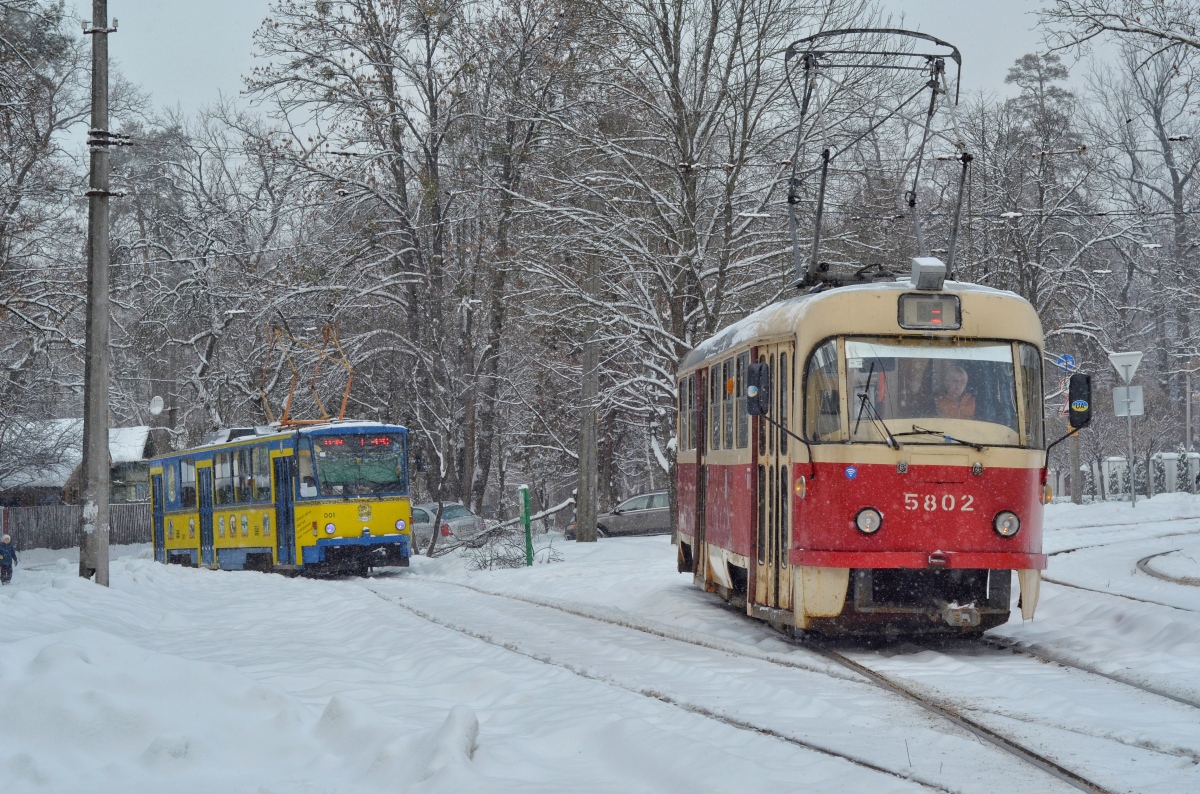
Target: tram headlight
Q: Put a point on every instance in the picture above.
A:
(1006, 523)
(868, 520)
(400, 525)
(330, 528)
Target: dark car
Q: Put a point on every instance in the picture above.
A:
(645, 514)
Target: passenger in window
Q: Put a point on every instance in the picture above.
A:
(953, 400)
(912, 394)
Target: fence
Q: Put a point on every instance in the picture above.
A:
(57, 526)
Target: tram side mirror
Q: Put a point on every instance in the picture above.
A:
(758, 390)
(1079, 398)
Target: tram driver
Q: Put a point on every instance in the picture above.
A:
(953, 401)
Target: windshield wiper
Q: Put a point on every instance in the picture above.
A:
(865, 404)
(920, 431)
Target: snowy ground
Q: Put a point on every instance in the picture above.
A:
(606, 672)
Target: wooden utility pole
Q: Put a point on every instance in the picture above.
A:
(93, 536)
(585, 497)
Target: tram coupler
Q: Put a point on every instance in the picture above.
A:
(964, 617)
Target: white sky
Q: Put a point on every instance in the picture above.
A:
(187, 54)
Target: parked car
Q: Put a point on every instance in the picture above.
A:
(644, 514)
(457, 522)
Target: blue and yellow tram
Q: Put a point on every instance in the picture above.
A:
(324, 498)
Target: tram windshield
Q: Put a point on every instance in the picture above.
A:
(922, 390)
(360, 463)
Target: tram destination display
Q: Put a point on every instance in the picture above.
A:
(929, 311)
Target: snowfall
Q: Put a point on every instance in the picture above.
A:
(605, 671)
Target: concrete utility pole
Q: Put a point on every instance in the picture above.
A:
(93, 540)
(1187, 414)
(585, 497)
(1076, 480)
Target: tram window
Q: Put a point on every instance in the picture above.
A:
(714, 407)
(222, 479)
(260, 472)
(681, 416)
(169, 475)
(1031, 396)
(694, 411)
(243, 484)
(823, 401)
(187, 478)
(762, 424)
(962, 388)
(727, 397)
(743, 418)
(774, 381)
(783, 403)
(308, 481)
(687, 413)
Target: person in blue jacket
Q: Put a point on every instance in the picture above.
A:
(8, 558)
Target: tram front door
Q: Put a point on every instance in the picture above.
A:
(156, 493)
(773, 478)
(204, 486)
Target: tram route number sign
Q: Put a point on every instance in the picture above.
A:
(1133, 399)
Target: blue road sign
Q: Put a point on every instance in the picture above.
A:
(1066, 362)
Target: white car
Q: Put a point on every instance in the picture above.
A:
(458, 522)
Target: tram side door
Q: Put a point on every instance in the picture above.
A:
(773, 483)
(204, 489)
(285, 522)
(700, 552)
(156, 498)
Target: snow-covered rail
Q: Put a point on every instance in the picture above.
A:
(1144, 566)
(993, 738)
(654, 694)
(1051, 657)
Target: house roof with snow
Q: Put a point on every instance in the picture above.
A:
(62, 443)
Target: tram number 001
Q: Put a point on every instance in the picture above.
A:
(930, 502)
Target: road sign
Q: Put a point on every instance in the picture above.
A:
(1126, 363)
(1130, 396)
(1066, 362)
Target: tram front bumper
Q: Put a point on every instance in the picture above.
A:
(391, 548)
(994, 560)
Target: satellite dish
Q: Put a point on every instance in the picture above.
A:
(156, 406)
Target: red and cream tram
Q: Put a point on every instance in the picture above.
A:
(897, 478)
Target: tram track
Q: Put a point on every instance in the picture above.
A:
(858, 671)
(653, 694)
(995, 738)
(1144, 566)
(1061, 583)
(1041, 654)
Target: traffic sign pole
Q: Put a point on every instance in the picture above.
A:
(1129, 422)
(1126, 364)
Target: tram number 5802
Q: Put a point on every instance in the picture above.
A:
(930, 502)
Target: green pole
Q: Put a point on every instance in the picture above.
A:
(524, 489)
